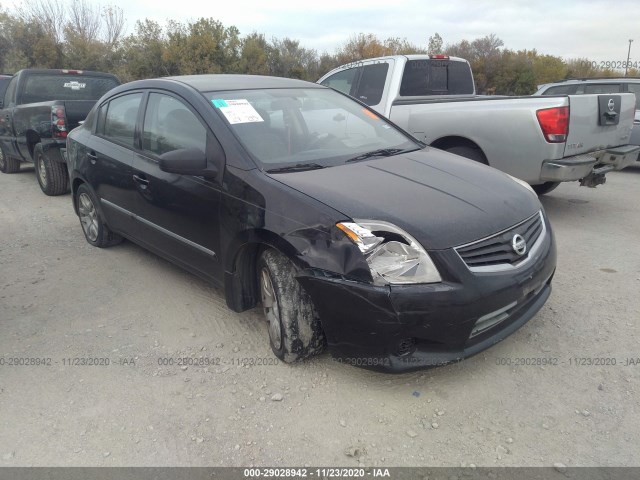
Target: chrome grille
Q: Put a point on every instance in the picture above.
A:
(497, 250)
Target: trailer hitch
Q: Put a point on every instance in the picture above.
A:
(596, 177)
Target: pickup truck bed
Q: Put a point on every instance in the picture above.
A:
(541, 140)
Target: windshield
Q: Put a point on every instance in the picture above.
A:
(307, 127)
(45, 87)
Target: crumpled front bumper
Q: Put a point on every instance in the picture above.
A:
(408, 327)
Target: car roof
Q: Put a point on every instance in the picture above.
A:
(207, 83)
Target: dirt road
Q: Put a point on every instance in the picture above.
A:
(62, 300)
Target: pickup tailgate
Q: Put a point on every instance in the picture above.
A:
(76, 111)
(599, 122)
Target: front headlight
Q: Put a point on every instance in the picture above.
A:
(524, 184)
(394, 256)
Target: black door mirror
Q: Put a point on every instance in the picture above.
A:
(187, 161)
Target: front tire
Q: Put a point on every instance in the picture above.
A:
(52, 176)
(8, 164)
(93, 225)
(295, 331)
(544, 188)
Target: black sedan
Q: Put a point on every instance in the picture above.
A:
(348, 231)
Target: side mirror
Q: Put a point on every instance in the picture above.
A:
(187, 161)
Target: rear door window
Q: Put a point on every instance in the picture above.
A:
(371, 84)
(436, 77)
(120, 119)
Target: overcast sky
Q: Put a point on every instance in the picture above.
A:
(595, 29)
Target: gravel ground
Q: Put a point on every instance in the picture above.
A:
(62, 299)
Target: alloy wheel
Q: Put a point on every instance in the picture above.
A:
(271, 308)
(88, 217)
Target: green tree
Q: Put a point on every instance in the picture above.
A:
(143, 53)
(204, 46)
(288, 59)
(435, 44)
(254, 56)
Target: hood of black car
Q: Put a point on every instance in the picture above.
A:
(443, 200)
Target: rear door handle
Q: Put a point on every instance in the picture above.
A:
(93, 158)
(143, 182)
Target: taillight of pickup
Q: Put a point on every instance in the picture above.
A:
(58, 122)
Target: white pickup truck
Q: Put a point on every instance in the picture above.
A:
(541, 140)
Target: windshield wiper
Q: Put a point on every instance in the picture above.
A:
(383, 152)
(299, 167)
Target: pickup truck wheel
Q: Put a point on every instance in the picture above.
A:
(471, 153)
(544, 188)
(52, 176)
(295, 331)
(95, 229)
(8, 164)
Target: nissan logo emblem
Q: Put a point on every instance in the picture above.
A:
(611, 104)
(518, 244)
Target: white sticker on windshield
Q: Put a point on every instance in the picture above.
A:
(75, 85)
(238, 111)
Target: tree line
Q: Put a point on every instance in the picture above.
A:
(76, 34)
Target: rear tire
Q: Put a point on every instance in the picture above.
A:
(471, 153)
(8, 164)
(52, 176)
(295, 331)
(93, 225)
(544, 188)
